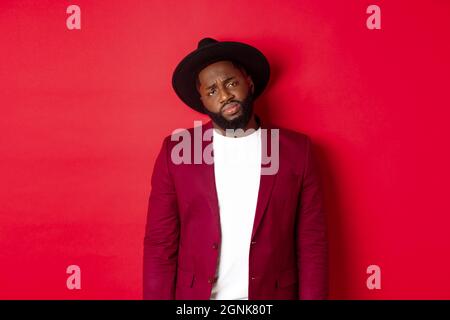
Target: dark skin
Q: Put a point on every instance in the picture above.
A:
(221, 84)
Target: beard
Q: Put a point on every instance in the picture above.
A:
(241, 121)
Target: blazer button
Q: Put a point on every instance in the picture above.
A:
(253, 242)
(211, 280)
(215, 246)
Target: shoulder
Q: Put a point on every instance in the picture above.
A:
(294, 136)
(183, 133)
(290, 138)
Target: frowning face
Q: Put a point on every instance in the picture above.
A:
(226, 92)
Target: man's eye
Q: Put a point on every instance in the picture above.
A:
(233, 84)
(211, 92)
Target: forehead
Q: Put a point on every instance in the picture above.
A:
(220, 69)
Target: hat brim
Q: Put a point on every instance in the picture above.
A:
(184, 76)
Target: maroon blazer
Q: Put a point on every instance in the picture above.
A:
(288, 256)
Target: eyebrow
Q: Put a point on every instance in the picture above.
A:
(213, 85)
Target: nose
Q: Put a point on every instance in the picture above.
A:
(225, 95)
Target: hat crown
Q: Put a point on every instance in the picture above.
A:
(208, 51)
(205, 42)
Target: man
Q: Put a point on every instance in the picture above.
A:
(232, 229)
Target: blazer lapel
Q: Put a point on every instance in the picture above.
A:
(266, 181)
(210, 181)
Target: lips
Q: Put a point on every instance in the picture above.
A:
(231, 108)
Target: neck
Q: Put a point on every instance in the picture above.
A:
(252, 124)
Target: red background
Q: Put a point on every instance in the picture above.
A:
(83, 114)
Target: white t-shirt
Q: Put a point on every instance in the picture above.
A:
(237, 168)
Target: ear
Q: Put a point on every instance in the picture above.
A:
(198, 91)
(251, 84)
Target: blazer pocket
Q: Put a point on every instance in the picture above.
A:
(185, 278)
(287, 278)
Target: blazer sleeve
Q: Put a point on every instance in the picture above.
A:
(161, 233)
(312, 242)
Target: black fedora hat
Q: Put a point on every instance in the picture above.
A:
(209, 51)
